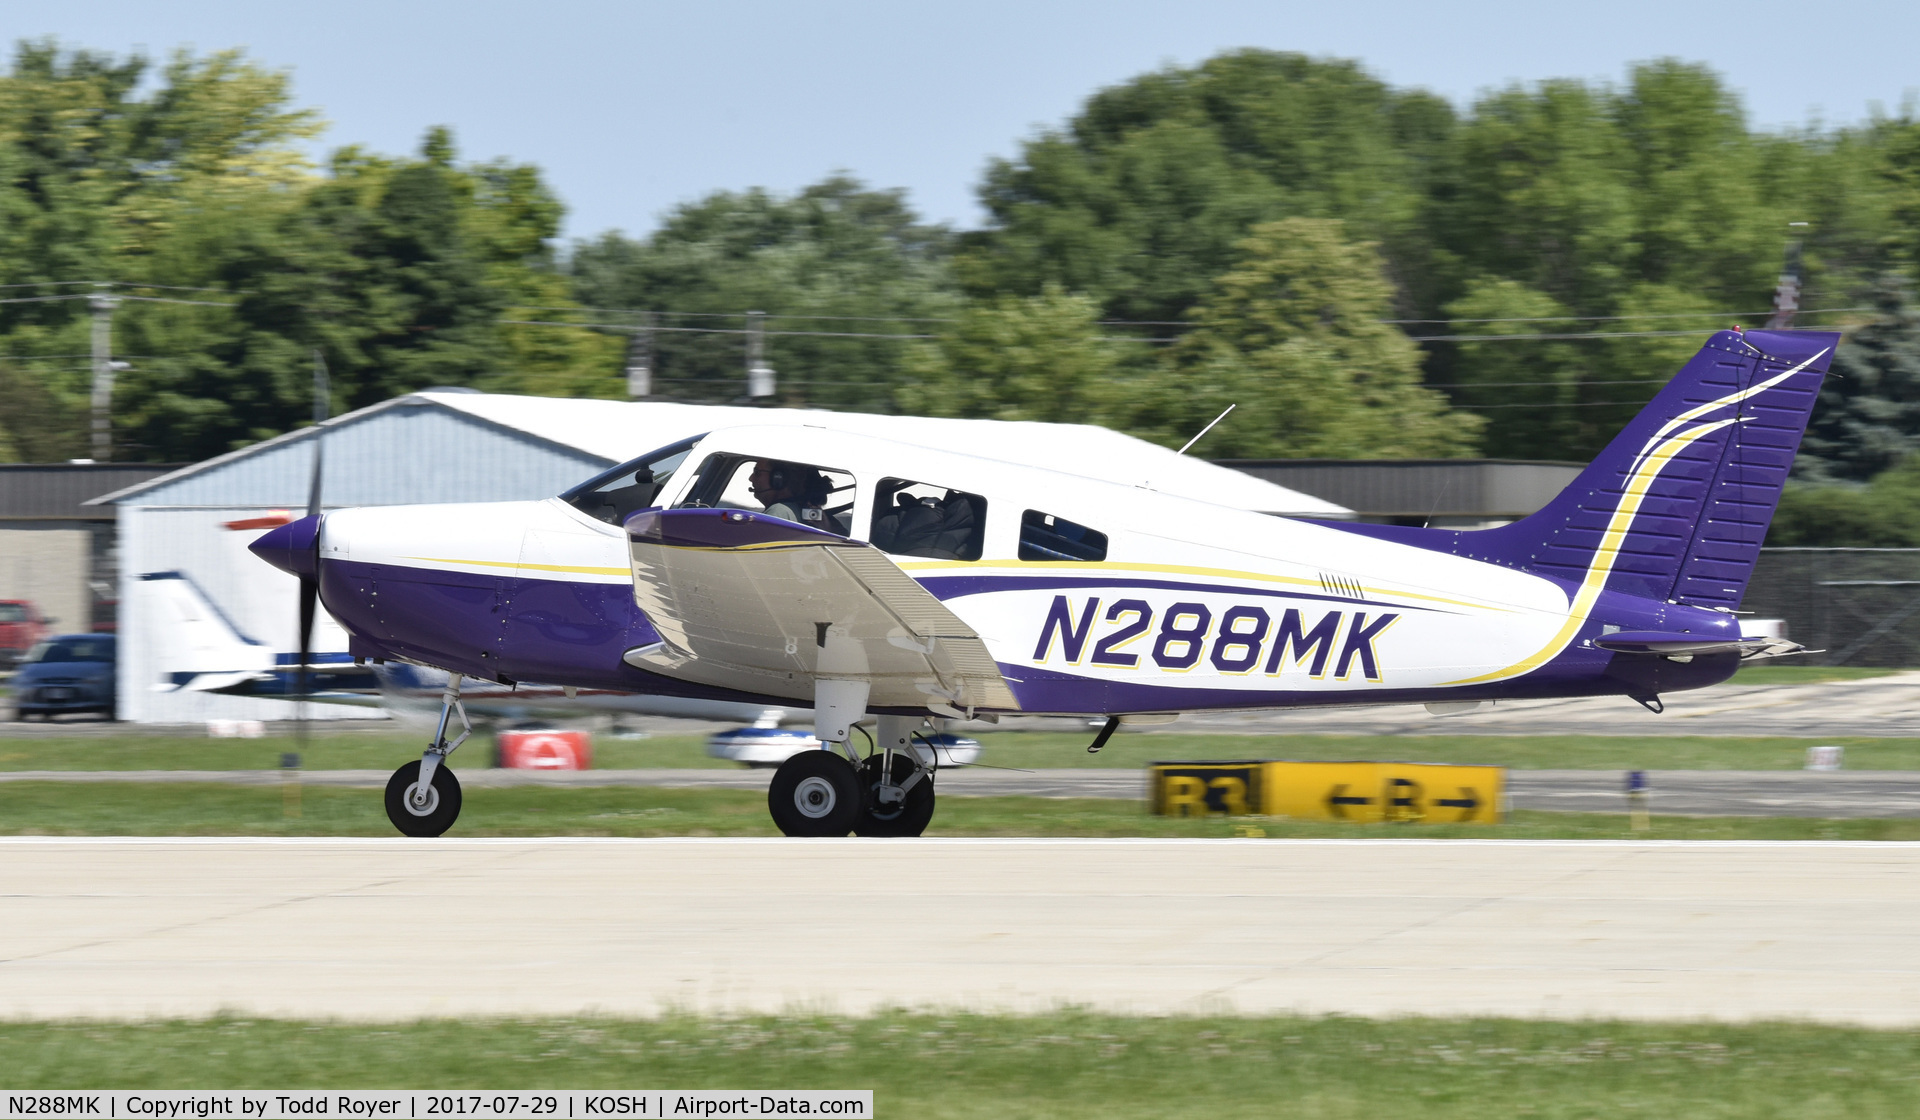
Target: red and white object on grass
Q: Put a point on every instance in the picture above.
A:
(546, 750)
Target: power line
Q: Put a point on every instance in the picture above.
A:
(1612, 318)
(1533, 384)
(1548, 404)
(136, 299)
(125, 284)
(709, 330)
(164, 299)
(1556, 337)
(735, 315)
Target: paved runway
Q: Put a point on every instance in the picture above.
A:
(392, 929)
(1750, 793)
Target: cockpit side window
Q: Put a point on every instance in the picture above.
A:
(615, 495)
(1046, 537)
(921, 519)
(817, 497)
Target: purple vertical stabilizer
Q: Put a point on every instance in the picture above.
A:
(1679, 502)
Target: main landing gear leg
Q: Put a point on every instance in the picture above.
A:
(897, 779)
(423, 798)
(818, 793)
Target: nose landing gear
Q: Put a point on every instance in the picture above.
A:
(423, 798)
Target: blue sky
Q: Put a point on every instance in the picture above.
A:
(633, 107)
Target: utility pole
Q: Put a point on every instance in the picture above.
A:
(640, 359)
(103, 302)
(759, 374)
(1786, 294)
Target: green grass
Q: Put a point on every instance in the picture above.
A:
(1524, 752)
(1806, 674)
(72, 809)
(340, 750)
(1068, 1064)
(1027, 750)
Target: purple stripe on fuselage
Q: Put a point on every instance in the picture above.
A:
(1595, 673)
(496, 627)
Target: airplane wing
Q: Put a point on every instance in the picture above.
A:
(746, 601)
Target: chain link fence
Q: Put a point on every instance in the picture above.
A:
(1859, 605)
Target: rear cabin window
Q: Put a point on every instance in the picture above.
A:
(921, 519)
(1046, 537)
(817, 497)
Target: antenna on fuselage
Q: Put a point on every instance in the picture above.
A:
(1208, 428)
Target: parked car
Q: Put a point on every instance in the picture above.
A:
(764, 747)
(67, 673)
(21, 628)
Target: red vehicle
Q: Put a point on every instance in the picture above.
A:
(21, 627)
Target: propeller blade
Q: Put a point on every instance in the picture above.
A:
(310, 584)
(309, 601)
(321, 400)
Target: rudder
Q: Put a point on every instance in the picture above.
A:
(1677, 505)
(1695, 477)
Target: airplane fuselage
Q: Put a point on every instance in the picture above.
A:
(1194, 606)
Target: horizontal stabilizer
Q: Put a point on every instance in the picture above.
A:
(751, 602)
(1670, 645)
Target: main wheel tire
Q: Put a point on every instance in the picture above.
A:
(443, 801)
(901, 818)
(815, 793)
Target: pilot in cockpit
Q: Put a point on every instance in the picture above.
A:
(792, 492)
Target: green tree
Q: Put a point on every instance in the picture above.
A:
(1883, 513)
(1015, 358)
(830, 265)
(1291, 335)
(100, 184)
(1868, 415)
(1526, 388)
(1141, 199)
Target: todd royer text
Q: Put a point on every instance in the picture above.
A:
(435, 1104)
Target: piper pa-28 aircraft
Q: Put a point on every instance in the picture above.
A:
(873, 579)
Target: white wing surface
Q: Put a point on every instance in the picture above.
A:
(750, 602)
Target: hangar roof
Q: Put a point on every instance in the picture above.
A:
(416, 456)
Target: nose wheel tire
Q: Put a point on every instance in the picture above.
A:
(815, 793)
(423, 816)
(906, 817)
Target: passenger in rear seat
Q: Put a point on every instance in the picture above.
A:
(939, 529)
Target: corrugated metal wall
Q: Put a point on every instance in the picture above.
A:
(397, 456)
(407, 454)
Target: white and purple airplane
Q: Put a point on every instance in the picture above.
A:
(875, 579)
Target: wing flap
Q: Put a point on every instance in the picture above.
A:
(746, 601)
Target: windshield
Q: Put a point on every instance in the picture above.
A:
(613, 496)
(12, 612)
(71, 649)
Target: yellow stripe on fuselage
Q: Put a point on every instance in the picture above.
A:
(572, 569)
(1187, 570)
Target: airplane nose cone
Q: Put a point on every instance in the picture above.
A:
(292, 547)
